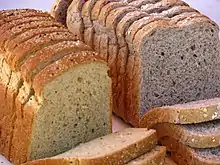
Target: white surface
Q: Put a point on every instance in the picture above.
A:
(210, 8)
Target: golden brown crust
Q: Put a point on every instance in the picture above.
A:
(22, 51)
(179, 116)
(62, 65)
(61, 161)
(31, 65)
(168, 161)
(187, 154)
(45, 27)
(186, 137)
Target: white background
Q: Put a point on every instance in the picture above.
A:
(211, 8)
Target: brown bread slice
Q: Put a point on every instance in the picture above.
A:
(43, 28)
(17, 57)
(188, 113)
(59, 10)
(74, 19)
(9, 35)
(25, 137)
(191, 156)
(120, 148)
(34, 64)
(202, 135)
(154, 157)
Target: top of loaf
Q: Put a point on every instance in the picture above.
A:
(43, 40)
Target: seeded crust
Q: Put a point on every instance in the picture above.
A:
(189, 155)
(43, 29)
(59, 10)
(33, 65)
(7, 29)
(194, 139)
(74, 19)
(139, 3)
(23, 51)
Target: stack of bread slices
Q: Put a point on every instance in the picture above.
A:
(190, 131)
(160, 52)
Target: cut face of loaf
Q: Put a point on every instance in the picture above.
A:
(183, 155)
(187, 113)
(62, 83)
(120, 148)
(203, 135)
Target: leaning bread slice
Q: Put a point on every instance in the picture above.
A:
(59, 10)
(186, 113)
(202, 135)
(116, 148)
(154, 157)
(191, 156)
(71, 103)
(74, 19)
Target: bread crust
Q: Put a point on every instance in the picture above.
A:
(74, 19)
(43, 57)
(21, 52)
(187, 137)
(187, 154)
(43, 29)
(168, 161)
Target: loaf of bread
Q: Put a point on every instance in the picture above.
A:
(113, 149)
(203, 135)
(55, 91)
(160, 52)
(187, 113)
(184, 155)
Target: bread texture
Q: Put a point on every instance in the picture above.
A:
(120, 148)
(59, 10)
(183, 155)
(168, 161)
(169, 33)
(56, 91)
(202, 135)
(188, 113)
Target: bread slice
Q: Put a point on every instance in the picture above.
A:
(154, 157)
(202, 135)
(44, 57)
(191, 156)
(168, 161)
(31, 46)
(42, 29)
(139, 3)
(9, 35)
(31, 139)
(120, 148)
(59, 10)
(74, 19)
(187, 113)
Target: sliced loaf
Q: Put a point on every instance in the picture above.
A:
(187, 113)
(66, 102)
(119, 148)
(185, 155)
(202, 135)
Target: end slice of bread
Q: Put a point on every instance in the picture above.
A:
(119, 148)
(202, 135)
(187, 113)
(186, 155)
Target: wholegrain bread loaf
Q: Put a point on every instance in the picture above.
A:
(157, 35)
(56, 92)
(119, 148)
(184, 155)
(202, 135)
(187, 113)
